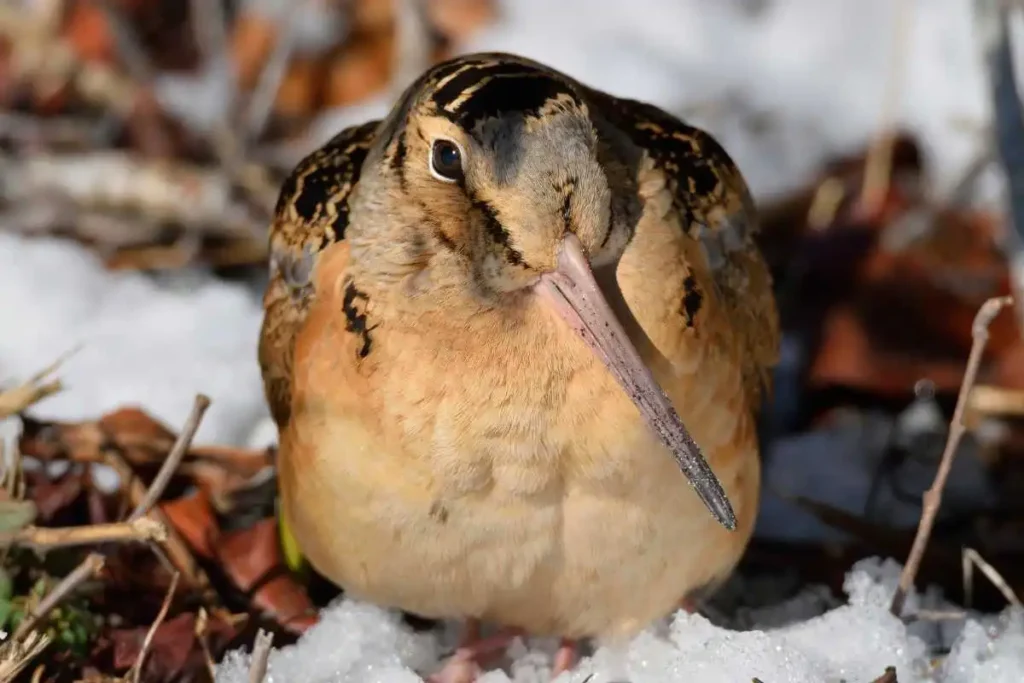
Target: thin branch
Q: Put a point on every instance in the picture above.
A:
(972, 558)
(177, 551)
(136, 670)
(163, 477)
(260, 656)
(90, 567)
(933, 496)
(45, 538)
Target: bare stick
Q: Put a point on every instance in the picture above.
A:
(972, 558)
(139, 530)
(136, 670)
(89, 568)
(260, 656)
(177, 551)
(933, 496)
(167, 470)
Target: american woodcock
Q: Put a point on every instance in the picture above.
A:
(487, 314)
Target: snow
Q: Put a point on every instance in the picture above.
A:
(154, 342)
(783, 85)
(854, 642)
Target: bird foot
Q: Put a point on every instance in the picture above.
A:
(565, 658)
(689, 605)
(464, 665)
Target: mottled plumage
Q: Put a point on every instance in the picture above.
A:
(450, 447)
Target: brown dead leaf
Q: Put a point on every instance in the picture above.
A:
(249, 556)
(168, 656)
(192, 516)
(909, 312)
(144, 442)
(53, 496)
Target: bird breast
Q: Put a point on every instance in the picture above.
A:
(499, 471)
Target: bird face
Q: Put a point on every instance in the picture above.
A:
(489, 185)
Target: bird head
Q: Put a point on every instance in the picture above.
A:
(489, 184)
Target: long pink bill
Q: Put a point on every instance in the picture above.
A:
(574, 294)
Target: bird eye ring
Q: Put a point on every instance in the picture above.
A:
(446, 160)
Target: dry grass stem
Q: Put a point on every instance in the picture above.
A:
(935, 615)
(20, 398)
(44, 538)
(15, 655)
(971, 559)
(933, 496)
(878, 167)
(202, 622)
(136, 670)
(260, 656)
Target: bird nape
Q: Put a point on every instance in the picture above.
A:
(489, 316)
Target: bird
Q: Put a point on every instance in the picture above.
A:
(516, 336)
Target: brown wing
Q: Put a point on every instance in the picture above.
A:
(311, 213)
(716, 208)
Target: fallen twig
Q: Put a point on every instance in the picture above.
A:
(90, 567)
(163, 477)
(260, 656)
(972, 558)
(178, 552)
(136, 670)
(41, 538)
(933, 496)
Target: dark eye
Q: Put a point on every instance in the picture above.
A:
(446, 161)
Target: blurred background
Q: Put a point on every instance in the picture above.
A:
(142, 145)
